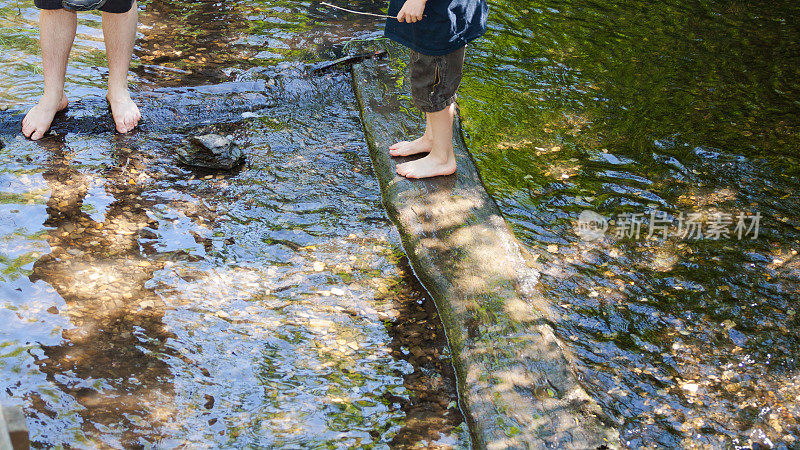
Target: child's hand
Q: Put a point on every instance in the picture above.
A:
(411, 11)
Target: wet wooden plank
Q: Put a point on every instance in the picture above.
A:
(517, 388)
(13, 429)
(5, 437)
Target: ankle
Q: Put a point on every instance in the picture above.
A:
(52, 96)
(118, 94)
(443, 155)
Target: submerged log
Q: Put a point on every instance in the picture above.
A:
(171, 108)
(516, 382)
(13, 429)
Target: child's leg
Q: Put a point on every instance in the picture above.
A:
(440, 160)
(56, 34)
(420, 145)
(434, 83)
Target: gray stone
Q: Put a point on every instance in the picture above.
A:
(211, 151)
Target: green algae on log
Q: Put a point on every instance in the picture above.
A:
(516, 386)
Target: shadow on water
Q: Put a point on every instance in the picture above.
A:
(418, 337)
(640, 108)
(96, 267)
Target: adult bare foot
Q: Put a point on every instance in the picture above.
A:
(125, 112)
(38, 120)
(428, 166)
(407, 148)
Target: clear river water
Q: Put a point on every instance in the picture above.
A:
(145, 304)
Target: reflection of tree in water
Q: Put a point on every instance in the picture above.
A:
(190, 43)
(183, 42)
(97, 268)
(671, 106)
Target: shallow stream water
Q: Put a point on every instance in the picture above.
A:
(149, 304)
(627, 109)
(146, 304)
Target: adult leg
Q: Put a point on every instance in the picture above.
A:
(119, 33)
(56, 34)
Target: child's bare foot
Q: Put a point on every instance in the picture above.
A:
(125, 112)
(406, 148)
(429, 166)
(38, 120)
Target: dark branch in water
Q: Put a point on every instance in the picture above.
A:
(344, 62)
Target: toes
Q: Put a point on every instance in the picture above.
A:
(124, 123)
(28, 129)
(399, 151)
(134, 120)
(403, 169)
(129, 123)
(120, 126)
(37, 134)
(126, 117)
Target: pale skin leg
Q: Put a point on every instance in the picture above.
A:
(440, 160)
(119, 33)
(422, 144)
(56, 34)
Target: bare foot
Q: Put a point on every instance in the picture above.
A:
(429, 166)
(126, 113)
(406, 148)
(38, 120)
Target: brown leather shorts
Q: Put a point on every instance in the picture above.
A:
(435, 79)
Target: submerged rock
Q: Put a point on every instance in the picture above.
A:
(211, 151)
